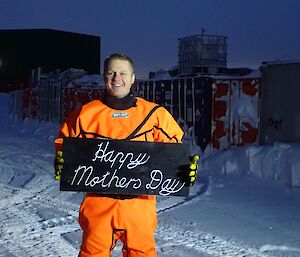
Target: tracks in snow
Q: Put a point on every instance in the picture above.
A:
(33, 213)
(25, 233)
(197, 240)
(203, 242)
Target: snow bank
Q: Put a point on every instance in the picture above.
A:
(278, 162)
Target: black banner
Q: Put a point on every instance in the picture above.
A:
(123, 167)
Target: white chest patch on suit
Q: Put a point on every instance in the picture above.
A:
(120, 115)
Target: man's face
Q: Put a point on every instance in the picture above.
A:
(118, 78)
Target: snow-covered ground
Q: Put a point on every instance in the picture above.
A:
(241, 205)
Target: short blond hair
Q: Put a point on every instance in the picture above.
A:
(117, 56)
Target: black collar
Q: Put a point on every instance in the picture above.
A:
(119, 103)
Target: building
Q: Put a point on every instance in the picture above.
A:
(202, 54)
(280, 105)
(23, 50)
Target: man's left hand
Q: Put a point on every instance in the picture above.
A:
(188, 173)
(193, 168)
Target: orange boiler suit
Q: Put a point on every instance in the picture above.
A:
(132, 219)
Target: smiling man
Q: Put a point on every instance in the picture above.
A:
(132, 219)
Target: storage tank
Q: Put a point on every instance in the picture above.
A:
(206, 54)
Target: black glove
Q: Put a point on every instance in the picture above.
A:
(188, 173)
(58, 164)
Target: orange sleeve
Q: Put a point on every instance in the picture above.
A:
(69, 128)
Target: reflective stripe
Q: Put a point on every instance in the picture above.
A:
(132, 135)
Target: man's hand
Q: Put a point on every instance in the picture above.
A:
(188, 173)
(58, 164)
(193, 170)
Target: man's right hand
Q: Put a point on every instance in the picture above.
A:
(58, 164)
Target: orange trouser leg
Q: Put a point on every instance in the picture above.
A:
(139, 220)
(100, 217)
(95, 217)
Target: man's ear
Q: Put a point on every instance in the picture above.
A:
(132, 78)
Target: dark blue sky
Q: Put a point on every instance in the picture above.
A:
(147, 30)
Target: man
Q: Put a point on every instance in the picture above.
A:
(119, 115)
